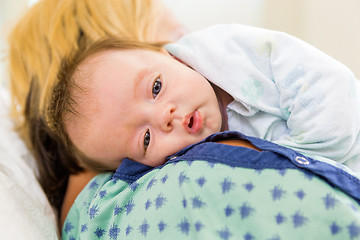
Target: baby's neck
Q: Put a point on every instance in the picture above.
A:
(224, 99)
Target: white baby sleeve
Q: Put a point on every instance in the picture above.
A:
(319, 99)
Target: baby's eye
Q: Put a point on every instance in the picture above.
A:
(146, 140)
(156, 87)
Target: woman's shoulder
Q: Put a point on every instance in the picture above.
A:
(204, 198)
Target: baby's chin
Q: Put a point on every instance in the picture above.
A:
(157, 163)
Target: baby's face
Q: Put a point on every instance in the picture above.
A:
(141, 105)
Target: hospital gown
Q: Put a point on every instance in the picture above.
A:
(220, 192)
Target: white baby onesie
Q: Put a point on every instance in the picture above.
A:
(285, 90)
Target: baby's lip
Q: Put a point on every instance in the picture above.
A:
(193, 122)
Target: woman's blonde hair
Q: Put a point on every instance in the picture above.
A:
(49, 32)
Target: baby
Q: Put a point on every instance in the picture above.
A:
(121, 99)
(134, 101)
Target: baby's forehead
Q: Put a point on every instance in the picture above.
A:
(87, 67)
(100, 62)
(123, 55)
(94, 59)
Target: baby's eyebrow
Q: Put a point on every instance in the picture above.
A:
(140, 76)
(132, 144)
(140, 151)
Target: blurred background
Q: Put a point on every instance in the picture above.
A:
(331, 25)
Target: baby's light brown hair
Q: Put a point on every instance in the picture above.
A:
(72, 83)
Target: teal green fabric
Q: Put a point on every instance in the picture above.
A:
(202, 200)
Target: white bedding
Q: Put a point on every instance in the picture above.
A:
(25, 211)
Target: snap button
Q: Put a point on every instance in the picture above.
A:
(302, 160)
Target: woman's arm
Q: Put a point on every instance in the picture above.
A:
(75, 185)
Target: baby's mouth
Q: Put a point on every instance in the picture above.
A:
(193, 122)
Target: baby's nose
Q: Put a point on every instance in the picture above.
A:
(166, 118)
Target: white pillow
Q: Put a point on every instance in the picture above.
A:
(25, 210)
